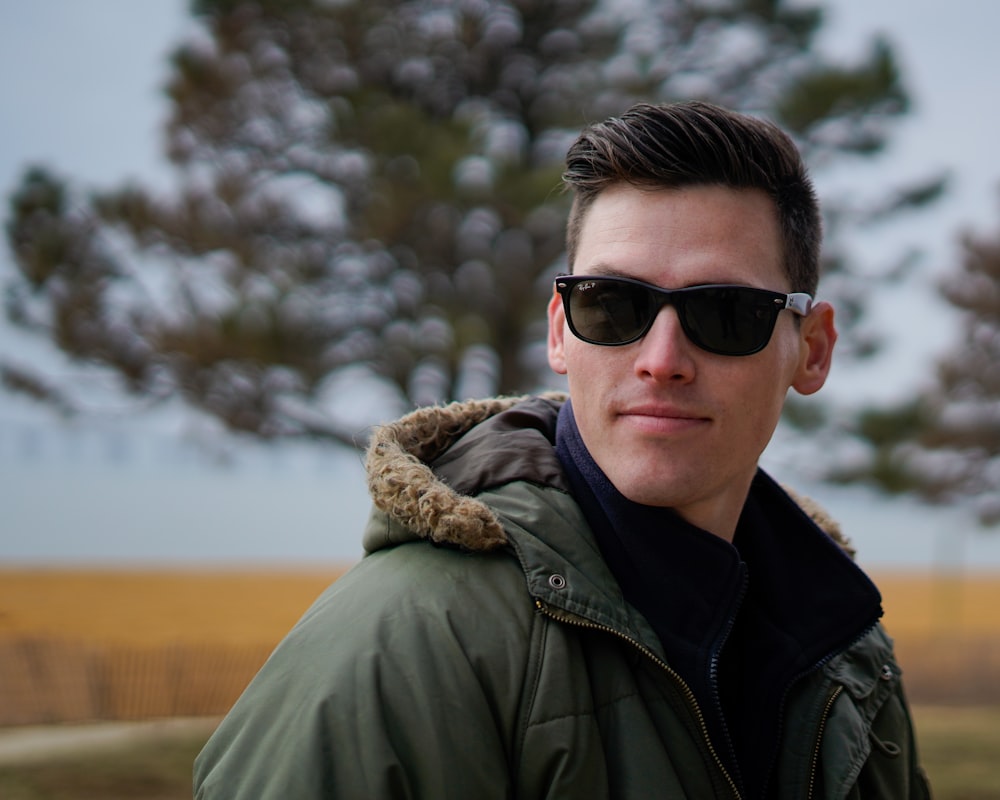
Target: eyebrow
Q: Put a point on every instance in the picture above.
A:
(606, 270)
(609, 271)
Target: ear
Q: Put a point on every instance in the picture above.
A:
(557, 334)
(817, 336)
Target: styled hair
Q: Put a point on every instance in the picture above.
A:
(692, 144)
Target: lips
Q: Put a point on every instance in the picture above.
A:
(665, 412)
(662, 421)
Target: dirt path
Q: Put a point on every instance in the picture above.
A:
(19, 745)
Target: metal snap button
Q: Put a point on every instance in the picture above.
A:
(557, 581)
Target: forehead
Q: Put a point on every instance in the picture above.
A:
(683, 236)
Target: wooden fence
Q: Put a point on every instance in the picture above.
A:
(47, 680)
(949, 669)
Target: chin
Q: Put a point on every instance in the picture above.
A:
(645, 493)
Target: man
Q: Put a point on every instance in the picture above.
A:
(604, 597)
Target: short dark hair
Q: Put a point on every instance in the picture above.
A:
(696, 143)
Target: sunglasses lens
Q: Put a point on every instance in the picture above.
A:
(729, 320)
(608, 311)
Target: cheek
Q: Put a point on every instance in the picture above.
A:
(768, 415)
(764, 383)
(760, 398)
(765, 409)
(593, 376)
(593, 366)
(787, 344)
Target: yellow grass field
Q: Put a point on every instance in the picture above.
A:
(156, 607)
(921, 605)
(152, 607)
(79, 644)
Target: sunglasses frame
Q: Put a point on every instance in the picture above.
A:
(798, 303)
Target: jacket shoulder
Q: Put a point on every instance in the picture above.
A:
(417, 648)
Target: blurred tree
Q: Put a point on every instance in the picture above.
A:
(944, 445)
(375, 185)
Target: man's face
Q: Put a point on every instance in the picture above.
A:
(670, 424)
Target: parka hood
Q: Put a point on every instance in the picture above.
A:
(425, 489)
(404, 487)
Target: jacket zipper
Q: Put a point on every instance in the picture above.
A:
(567, 618)
(819, 738)
(713, 670)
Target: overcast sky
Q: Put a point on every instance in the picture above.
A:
(82, 92)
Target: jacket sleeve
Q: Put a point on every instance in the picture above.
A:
(402, 681)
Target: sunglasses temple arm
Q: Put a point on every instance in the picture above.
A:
(799, 302)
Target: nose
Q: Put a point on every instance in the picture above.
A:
(665, 353)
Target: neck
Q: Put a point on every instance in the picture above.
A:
(718, 515)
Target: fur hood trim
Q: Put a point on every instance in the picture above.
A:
(403, 486)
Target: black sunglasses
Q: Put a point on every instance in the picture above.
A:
(723, 319)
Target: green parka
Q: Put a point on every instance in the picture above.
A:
(482, 649)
